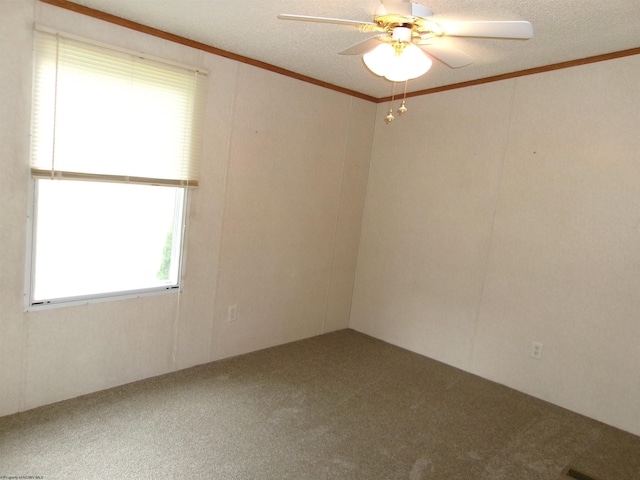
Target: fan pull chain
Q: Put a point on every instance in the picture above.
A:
(389, 118)
(403, 108)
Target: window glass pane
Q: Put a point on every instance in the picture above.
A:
(93, 238)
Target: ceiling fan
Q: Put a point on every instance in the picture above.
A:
(402, 26)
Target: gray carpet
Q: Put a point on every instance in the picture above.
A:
(339, 406)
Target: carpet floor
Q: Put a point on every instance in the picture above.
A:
(338, 406)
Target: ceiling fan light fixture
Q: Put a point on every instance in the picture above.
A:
(410, 63)
(402, 25)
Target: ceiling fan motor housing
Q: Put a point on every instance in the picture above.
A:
(400, 38)
(401, 34)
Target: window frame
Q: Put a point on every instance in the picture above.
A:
(181, 211)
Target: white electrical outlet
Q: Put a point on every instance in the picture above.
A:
(232, 313)
(536, 350)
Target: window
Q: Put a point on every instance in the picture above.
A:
(115, 147)
(104, 238)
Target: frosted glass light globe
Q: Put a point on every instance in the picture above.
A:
(384, 62)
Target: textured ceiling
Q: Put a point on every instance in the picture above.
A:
(564, 30)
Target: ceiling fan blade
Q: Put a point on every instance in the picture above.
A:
(363, 47)
(490, 29)
(338, 21)
(395, 7)
(446, 54)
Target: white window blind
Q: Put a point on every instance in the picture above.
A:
(103, 114)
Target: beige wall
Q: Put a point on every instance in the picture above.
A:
(274, 227)
(508, 213)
